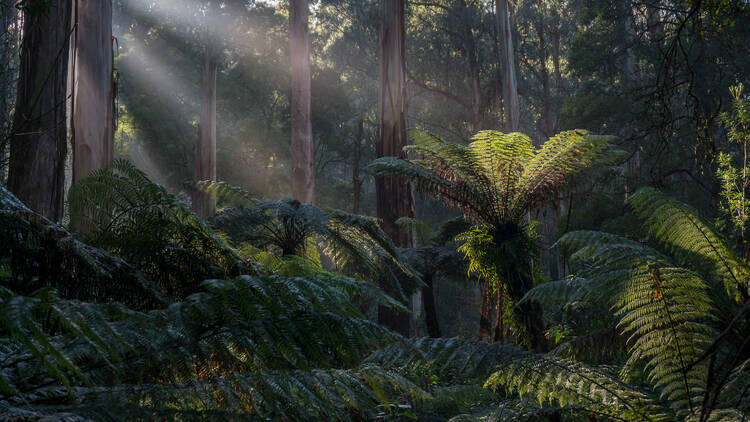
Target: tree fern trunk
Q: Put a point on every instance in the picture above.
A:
(393, 196)
(499, 328)
(39, 142)
(303, 170)
(205, 149)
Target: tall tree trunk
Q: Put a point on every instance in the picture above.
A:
(476, 95)
(38, 146)
(303, 170)
(356, 182)
(205, 149)
(93, 90)
(548, 119)
(8, 67)
(508, 64)
(393, 196)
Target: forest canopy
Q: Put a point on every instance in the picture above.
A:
(445, 210)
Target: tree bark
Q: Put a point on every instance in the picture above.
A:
(9, 60)
(393, 196)
(93, 89)
(548, 119)
(508, 64)
(205, 149)
(356, 182)
(303, 171)
(38, 146)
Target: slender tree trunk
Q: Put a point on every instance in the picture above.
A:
(548, 119)
(93, 90)
(507, 56)
(356, 182)
(38, 146)
(303, 170)
(393, 196)
(476, 95)
(205, 149)
(430, 310)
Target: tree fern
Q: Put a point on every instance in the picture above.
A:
(495, 181)
(677, 308)
(130, 216)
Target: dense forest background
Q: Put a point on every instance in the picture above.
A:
(374, 210)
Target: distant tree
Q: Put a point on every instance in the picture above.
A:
(393, 196)
(39, 136)
(303, 171)
(205, 148)
(508, 66)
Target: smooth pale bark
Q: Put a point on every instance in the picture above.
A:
(93, 89)
(508, 66)
(394, 198)
(38, 144)
(205, 149)
(303, 169)
(356, 181)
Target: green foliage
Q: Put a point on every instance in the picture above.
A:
(495, 181)
(735, 181)
(120, 210)
(356, 245)
(675, 308)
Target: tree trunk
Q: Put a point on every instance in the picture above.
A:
(499, 328)
(356, 182)
(508, 64)
(430, 310)
(548, 119)
(393, 196)
(38, 145)
(93, 90)
(303, 170)
(9, 60)
(205, 149)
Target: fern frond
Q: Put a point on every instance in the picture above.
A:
(565, 382)
(691, 240)
(231, 194)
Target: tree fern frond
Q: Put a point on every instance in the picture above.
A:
(565, 382)
(560, 157)
(690, 239)
(231, 194)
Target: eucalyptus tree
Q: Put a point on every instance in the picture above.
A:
(303, 168)
(38, 144)
(92, 96)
